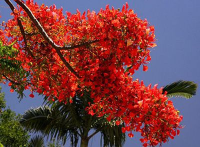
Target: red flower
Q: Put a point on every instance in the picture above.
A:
(9, 84)
(31, 95)
(11, 90)
(118, 122)
(145, 68)
(130, 135)
(123, 129)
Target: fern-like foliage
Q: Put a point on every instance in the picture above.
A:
(181, 88)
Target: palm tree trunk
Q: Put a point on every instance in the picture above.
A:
(84, 142)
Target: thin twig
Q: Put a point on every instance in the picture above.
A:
(13, 82)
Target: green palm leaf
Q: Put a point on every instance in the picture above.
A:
(51, 123)
(112, 135)
(37, 141)
(63, 121)
(181, 88)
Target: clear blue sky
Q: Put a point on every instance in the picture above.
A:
(177, 56)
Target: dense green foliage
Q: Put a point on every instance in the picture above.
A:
(8, 65)
(11, 132)
(71, 121)
(2, 101)
(11, 67)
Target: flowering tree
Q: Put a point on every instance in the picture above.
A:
(72, 122)
(96, 52)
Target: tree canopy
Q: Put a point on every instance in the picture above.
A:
(95, 52)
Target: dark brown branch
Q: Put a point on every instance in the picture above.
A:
(10, 5)
(67, 64)
(37, 24)
(79, 45)
(13, 82)
(94, 133)
(43, 32)
(46, 36)
(20, 26)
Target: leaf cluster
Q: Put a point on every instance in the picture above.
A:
(181, 88)
(11, 69)
(11, 131)
(71, 121)
(7, 53)
(2, 101)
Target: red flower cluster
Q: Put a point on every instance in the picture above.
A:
(109, 47)
(142, 109)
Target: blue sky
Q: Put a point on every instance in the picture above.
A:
(177, 56)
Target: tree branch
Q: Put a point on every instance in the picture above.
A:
(94, 133)
(20, 26)
(79, 45)
(37, 24)
(46, 36)
(67, 64)
(13, 82)
(43, 32)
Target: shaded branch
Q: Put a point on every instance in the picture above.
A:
(79, 45)
(46, 36)
(13, 82)
(20, 26)
(67, 64)
(43, 32)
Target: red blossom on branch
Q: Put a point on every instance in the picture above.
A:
(97, 52)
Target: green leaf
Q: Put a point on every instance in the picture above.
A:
(181, 88)
(1, 145)
(37, 141)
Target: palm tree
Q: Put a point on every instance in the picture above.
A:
(71, 121)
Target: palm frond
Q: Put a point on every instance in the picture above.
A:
(113, 136)
(181, 88)
(36, 119)
(50, 122)
(64, 120)
(37, 141)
